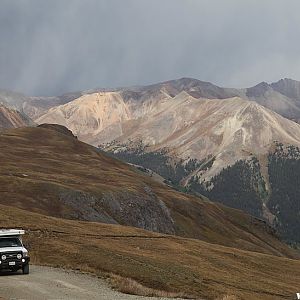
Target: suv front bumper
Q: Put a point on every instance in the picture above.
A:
(14, 264)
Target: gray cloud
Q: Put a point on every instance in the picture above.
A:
(51, 47)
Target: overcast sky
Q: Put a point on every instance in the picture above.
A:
(51, 47)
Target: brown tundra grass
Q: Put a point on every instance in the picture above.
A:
(130, 286)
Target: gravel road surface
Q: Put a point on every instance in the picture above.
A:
(51, 283)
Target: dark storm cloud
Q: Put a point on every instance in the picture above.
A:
(50, 47)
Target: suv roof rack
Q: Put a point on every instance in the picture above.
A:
(10, 232)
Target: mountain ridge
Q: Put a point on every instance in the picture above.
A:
(231, 121)
(285, 91)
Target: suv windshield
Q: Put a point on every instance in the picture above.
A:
(10, 242)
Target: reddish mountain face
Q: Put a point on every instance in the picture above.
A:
(11, 118)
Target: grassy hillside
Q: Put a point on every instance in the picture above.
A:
(162, 262)
(48, 171)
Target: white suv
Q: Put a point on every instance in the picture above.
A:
(13, 254)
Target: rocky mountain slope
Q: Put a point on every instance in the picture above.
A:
(11, 118)
(282, 97)
(186, 127)
(58, 175)
(34, 106)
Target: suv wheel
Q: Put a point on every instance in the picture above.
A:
(25, 269)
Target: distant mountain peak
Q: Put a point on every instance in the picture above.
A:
(258, 90)
(286, 80)
(288, 87)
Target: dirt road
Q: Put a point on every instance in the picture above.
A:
(50, 283)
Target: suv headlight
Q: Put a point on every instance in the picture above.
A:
(19, 256)
(3, 257)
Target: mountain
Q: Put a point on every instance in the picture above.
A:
(11, 118)
(33, 107)
(288, 87)
(203, 139)
(198, 145)
(280, 97)
(12, 98)
(228, 130)
(57, 175)
(194, 87)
